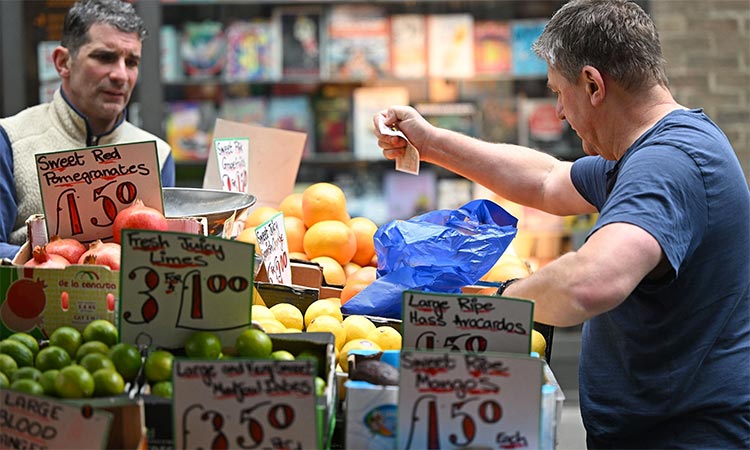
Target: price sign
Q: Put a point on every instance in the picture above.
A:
(458, 400)
(466, 323)
(242, 403)
(173, 284)
(83, 190)
(271, 237)
(29, 421)
(231, 157)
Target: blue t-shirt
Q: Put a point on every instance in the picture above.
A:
(670, 366)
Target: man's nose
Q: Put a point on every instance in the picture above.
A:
(119, 71)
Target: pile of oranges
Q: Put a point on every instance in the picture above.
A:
(319, 229)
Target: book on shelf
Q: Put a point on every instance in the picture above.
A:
(499, 121)
(358, 42)
(408, 46)
(203, 49)
(462, 117)
(170, 61)
(366, 102)
(540, 128)
(45, 63)
(293, 113)
(249, 51)
(523, 35)
(492, 47)
(299, 32)
(450, 45)
(333, 123)
(248, 110)
(188, 129)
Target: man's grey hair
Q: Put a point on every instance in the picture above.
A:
(83, 14)
(616, 37)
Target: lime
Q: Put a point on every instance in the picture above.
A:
(27, 386)
(74, 382)
(68, 338)
(19, 352)
(253, 343)
(101, 330)
(108, 382)
(127, 360)
(95, 361)
(8, 365)
(158, 366)
(4, 382)
(282, 355)
(91, 347)
(203, 344)
(28, 372)
(289, 315)
(27, 340)
(162, 389)
(48, 382)
(320, 386)
(52, 357)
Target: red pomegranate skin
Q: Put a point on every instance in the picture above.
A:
(101, 253)
(42, 259)
(69, 248)
(138, 216)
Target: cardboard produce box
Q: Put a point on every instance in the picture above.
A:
(307, 286)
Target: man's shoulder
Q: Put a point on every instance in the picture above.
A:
(27, 122)
(132, 133)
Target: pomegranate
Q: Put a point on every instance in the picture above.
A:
(105, 254)
(42, 259)
(138, 216)
(68, 248)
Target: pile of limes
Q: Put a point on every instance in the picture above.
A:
(74, 364)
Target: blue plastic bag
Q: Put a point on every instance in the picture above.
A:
(439, 251)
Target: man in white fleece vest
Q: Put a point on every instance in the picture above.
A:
(98, 60)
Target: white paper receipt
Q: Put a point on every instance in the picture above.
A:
(409, 162)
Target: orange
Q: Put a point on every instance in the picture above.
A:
(248, 235)
(74, 382)
(323, 201)
(364, 230)
(333, 273)
(366, 274)
(295, 233)
(330, 238)
(108, 382)
(101, 330)
(158, 366)
(203, 344)
(291, 205)
(357, 282)
(127, 360)
(259, 214)
(507, 267)
(350, 268)
(253, 343)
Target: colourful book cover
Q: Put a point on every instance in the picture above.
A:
(540, 128)
(408, 46)
(188, 129)
(492, 47)
(366, 102)
(203, 49)
(250, 110)
(170, 63)
(358, 42)
(299, 32)
(45, 63)
(333, 122)
(499, 119)
(450, 45)
(293, 113)
(461, 117)
(523, 35)
(249, 51)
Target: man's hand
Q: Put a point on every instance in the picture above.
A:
(411, 123)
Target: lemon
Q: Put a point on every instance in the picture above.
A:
(323, 307)
(356, 344)
(289, 315)
(331, 325)
(386, 337)
(272, 326)
(258, 312)
(538, 343)
(357, 327)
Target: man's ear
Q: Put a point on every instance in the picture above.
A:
(594, 84)
(61, 58)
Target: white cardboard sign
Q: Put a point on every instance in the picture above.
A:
(231, 157)
(460, 400)
(466, 322)
(173, 284)
(83, 190)
(274, 247)
(30, 421)
(243, 403)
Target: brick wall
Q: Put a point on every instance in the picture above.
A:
(707, 47)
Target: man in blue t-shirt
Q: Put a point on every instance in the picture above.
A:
(662, 283)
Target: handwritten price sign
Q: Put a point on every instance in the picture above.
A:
(466, 323)
(83, 190)
(231, 156)
(253, 404)
(173, 284)
(452, 400)
(271, 237)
